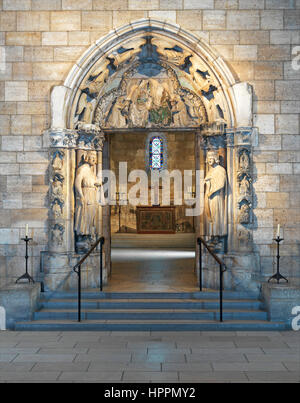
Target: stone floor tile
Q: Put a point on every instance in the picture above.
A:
(273, 357)
(293, 366)
(201, 366)
(45, 358)
(16, 350)
(216, 357)
(152, 344)
(264, 344)
(207, 344)
(131, 334)
(61, 350)
(258, 333)
(106, 366)
(7, 357)
(176, 335)
(8, 344)
(159, 357)
(103, 357)
(219, 350)
(39, 344)
(91, 376)
(153, 376)
(278, 376)
(236, 339)
(219, 333)
(248, 366)
(172, 350)
(15, 366)
(197, 376)
(61, 366)
(29, 376)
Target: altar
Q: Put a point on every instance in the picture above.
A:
(155, 219)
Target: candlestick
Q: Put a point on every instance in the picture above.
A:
(26, 276)
(277, 276)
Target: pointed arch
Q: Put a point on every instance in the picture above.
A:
(224, 98)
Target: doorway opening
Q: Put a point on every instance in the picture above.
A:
(152, 245)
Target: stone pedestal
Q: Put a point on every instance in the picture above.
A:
(240, 274)
(279, 300)
(20, 301)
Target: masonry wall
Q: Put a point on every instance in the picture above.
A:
(42, 40)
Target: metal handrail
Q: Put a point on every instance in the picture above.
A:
(222, 266)
(77, 270)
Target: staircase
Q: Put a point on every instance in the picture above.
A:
(148, 311)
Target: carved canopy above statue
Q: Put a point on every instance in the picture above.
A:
(150, 81)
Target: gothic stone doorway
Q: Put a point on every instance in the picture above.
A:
(148, 75)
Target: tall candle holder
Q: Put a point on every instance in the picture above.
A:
(277, 276)
(26, 276)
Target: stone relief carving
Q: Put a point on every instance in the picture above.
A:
(87, 136)
(216, 198)
(150, 103)
(245, 185)
(244, 237)
(244, 161)
(57, 207)
(87, 204)
(150, 83)
(57, 234)
(244, 211)
(58, 160)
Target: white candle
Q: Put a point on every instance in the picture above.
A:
(278, 230)
(26, 230)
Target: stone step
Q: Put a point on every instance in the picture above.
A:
(146, 314)
(207, 294)
(132, 325)
(155, 304)
(175, 241)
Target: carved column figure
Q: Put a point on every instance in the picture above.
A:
(216, 197)
(87, 203)
(87, 184)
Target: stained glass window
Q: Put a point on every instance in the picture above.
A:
(156, 153)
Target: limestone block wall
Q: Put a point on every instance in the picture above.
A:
(40, 41)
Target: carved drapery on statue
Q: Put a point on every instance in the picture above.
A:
(87, 203)
(216, 197)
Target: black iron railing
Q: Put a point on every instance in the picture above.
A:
(77, 270)
(222, 266)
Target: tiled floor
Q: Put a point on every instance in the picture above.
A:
(156, 270)
(150, 357)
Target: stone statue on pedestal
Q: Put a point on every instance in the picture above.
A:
(87, 204)
(216, 198)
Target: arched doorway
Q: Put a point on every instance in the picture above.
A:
(142, 77)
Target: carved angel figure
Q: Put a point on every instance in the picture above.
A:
(179, 113)
(85, 108)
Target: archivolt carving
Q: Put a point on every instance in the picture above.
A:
(148, 82)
